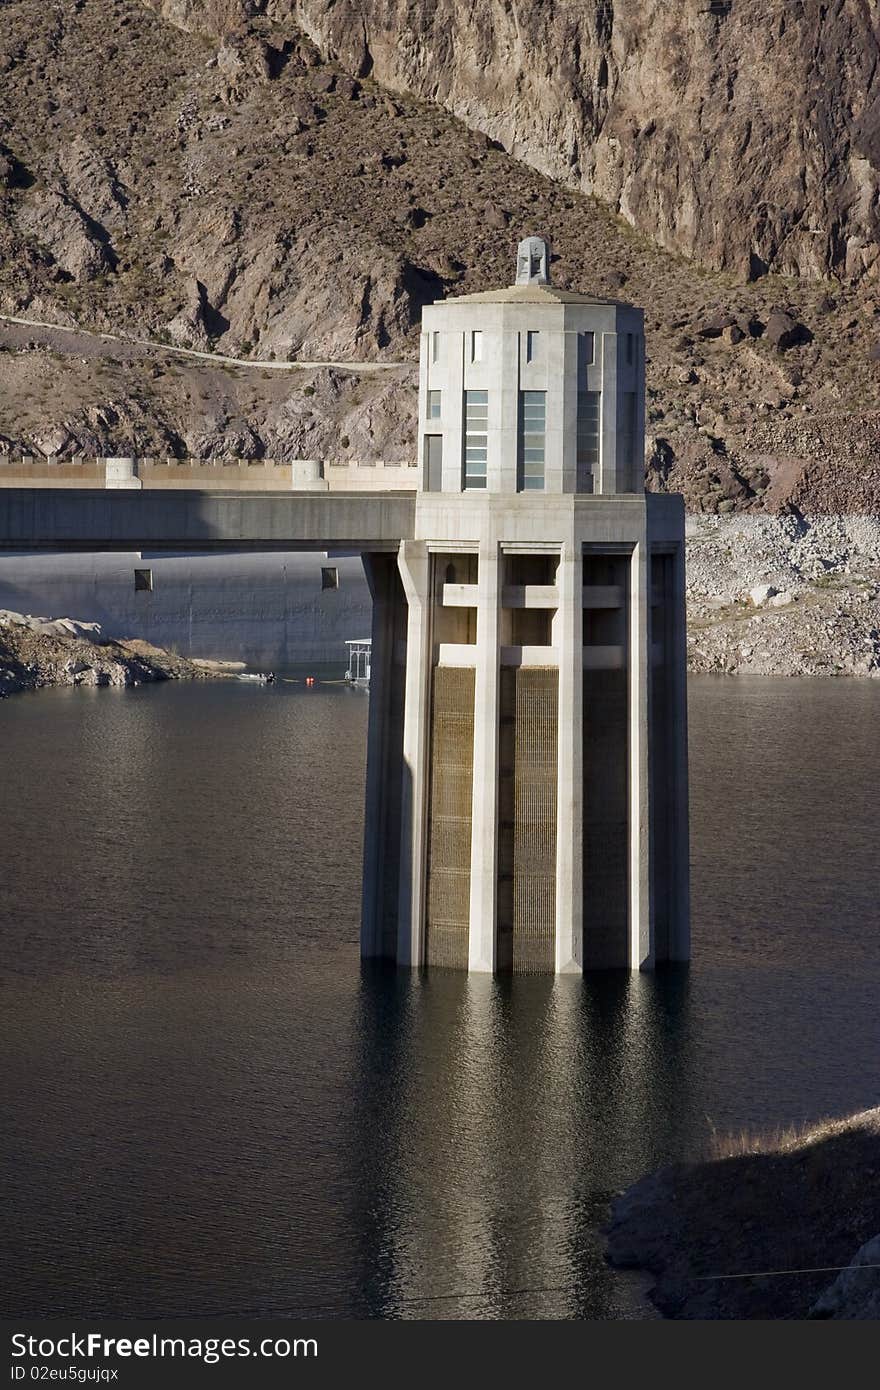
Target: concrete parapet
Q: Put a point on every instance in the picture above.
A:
(224, 474)
(24, 470)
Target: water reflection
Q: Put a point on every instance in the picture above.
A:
(211, 1107)
(503, 1115)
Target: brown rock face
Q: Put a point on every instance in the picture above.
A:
(238, 194)
(207, 16)
(744, 138)
(75, 243)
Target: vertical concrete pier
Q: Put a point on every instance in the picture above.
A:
(527, 759)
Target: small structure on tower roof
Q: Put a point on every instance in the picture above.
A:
(533, 262)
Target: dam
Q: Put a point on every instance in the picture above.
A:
(527, 746)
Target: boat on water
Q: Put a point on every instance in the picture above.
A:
(359, 654)
(261, 677)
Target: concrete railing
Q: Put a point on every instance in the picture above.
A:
(222, 475)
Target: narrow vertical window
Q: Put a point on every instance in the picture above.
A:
(433, 405)
(476, 438)
(586, 354)
(532, 432)
(435, 347)
(588, 425)
(477, 346)
(533, 345)
(630, 348)
(433, 462)
(626, 442)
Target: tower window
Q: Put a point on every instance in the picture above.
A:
(329, 577)
(586, 354)
(588, 426)
(630, 348)
(433, 405)
(476, 438)
(533, 345)
(532, 433)
(435, 347)
(433, 462)
(143, 581)
(626, 441)
(477, 346)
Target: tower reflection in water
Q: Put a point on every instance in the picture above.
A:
(505, 1114)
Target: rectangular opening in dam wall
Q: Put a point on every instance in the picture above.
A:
(606, 727)
(450, 797)
(143, 581)
(529, 702)
(329, 577)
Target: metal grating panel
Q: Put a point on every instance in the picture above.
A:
(527, 810)
(450, 799)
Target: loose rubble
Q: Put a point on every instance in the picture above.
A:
(784, 596)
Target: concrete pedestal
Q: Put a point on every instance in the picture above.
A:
(527, 758)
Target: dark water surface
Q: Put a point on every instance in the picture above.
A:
(210, 1108)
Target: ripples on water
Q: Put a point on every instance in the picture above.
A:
(211, 1107)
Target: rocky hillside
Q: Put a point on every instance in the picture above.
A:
(236, 176)
(742, 134)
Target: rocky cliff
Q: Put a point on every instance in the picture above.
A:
(205, 174)
(744, 135)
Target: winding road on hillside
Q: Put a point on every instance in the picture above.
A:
(81, 336)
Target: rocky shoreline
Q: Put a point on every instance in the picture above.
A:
(784, 1227)
(39, 652)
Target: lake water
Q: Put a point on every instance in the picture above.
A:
(210, 1107)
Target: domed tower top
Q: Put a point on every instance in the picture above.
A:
(533, 262)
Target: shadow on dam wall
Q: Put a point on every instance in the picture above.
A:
(272, 609)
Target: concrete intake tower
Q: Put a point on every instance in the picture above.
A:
(527, 751)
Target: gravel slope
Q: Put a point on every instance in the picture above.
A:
(784, 596)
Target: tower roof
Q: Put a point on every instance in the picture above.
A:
(532, 283)
(530, 294)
